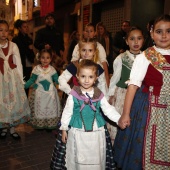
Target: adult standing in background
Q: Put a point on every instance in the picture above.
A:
(73, 41)
(49, 37)
(119, 43)
(25, 45)
(104, 38)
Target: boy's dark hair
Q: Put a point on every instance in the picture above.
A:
(4, 22)
(50, 15)
(18, 23)
(87, 64)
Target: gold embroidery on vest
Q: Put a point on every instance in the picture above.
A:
(157, 59)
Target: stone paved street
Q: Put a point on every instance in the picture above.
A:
(32, 152)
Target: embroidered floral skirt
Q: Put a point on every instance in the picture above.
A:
(14, 107)
(45, 109)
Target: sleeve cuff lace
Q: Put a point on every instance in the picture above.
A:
(135, 82)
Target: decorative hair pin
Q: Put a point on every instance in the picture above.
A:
(151, 28)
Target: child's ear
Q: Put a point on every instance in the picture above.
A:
(126, 42)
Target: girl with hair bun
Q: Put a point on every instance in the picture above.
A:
(122, 67)
(144, 144)
(14, 107)
(44, 99)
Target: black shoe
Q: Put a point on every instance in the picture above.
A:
(3, 135)
(15, 136)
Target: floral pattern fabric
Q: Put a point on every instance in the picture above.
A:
(14, 107)
(45, 105)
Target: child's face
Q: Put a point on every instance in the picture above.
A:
(87, 51)
(135, 41)
(89, 32)
(161, 34)
(87, 78)
(4, 30)
(45, 59)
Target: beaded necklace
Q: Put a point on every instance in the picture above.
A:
(134, 54)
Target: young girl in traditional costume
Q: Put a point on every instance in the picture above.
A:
(87, 50)
(84, 135)
(122, 67)
(146, 109)
(14, 107)
(44, 100)
(89, 33)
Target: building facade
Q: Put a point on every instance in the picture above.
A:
(75, 14)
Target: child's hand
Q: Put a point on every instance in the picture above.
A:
(64, 136)
(124, 121)
(122, 125)
(57, 86)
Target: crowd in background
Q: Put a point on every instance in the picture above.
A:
(128, 76)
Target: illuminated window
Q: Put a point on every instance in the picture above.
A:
(7, 2)
(36, 3)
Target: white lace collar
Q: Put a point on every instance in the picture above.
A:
(162, 51)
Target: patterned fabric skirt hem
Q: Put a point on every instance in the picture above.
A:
(50, 123)
(44, 127)
(15, 123)
(14, 106)
(59, 152)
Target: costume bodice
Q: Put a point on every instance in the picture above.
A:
(127, 63)
(154, 78)
(86, 111)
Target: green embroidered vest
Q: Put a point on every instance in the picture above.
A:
(88, 115)
(125, 73)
